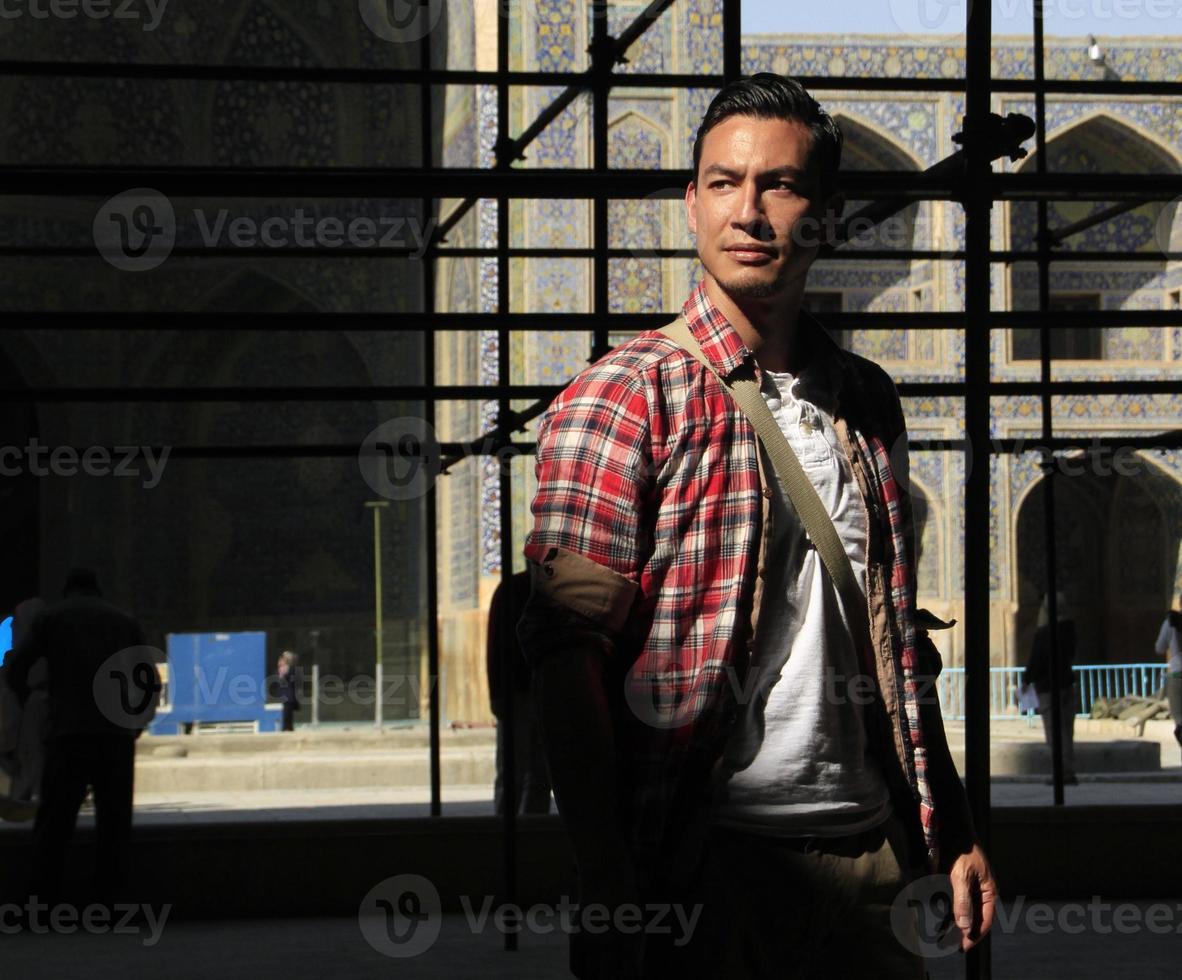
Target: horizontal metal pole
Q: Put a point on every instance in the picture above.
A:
(416, 393)
(288, 393)
(378, 252)
(956, 389)
(315, 75)
(996, 447)
(1090, 256)
(410, 183)
(164, 320)
(458, 76)
(538, 183)
(1085, 187)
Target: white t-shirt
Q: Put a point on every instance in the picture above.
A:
(800, 746)
(1168, 639)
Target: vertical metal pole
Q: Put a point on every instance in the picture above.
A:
(732, 41)
(315, 695)
(1044, 358)
(977, 203)
(509, 775)
(600, 102)
(426, 138)
(377, 506)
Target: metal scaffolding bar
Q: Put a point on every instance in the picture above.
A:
(311, 74)
(977, 203)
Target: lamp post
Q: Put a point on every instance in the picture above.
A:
(377, 506)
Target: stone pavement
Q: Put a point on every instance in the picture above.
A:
(210, 807)
(312, 949)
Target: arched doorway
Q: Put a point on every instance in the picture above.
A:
(1116, 540)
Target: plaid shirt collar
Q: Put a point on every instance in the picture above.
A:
(825, 371)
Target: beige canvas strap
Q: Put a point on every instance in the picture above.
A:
(808, 506)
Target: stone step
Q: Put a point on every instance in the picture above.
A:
(308, 739)
(1030, 758)
(312, 771)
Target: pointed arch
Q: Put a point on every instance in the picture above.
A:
(1114, 133)
(1098, 141)
(866, 136)
(1107, 521)
(636, 141)
(888, 285)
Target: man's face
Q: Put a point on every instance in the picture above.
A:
(756, 205)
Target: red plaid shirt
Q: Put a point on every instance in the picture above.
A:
(650, 532)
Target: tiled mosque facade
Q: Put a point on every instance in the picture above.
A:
(213, 547)
(1118, 532)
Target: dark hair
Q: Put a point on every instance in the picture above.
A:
(769, 96)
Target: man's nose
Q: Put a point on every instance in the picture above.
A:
(750, 205)
(749, 214)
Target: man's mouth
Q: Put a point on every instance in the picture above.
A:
(750, 252)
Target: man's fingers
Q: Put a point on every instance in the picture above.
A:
(988, 900)
(962, 902)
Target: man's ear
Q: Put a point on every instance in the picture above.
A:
(691, 197)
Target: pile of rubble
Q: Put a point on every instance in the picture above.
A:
(1134, 710)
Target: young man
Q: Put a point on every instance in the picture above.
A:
(716, 735)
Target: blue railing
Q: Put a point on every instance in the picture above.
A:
(1093, 681)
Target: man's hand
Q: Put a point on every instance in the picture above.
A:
(974, 893)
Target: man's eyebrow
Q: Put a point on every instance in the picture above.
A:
(785, 171)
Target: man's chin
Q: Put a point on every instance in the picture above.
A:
(750, 287)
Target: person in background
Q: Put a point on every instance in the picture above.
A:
(531, 789)
(291, 684)
(34, 717)
(1038, 673)
(1169, 644)
(103, 691)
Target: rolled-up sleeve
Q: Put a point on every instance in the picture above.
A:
(589, 536)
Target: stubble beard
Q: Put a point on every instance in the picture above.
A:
(750, 289)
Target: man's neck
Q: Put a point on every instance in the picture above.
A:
(767, 326)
